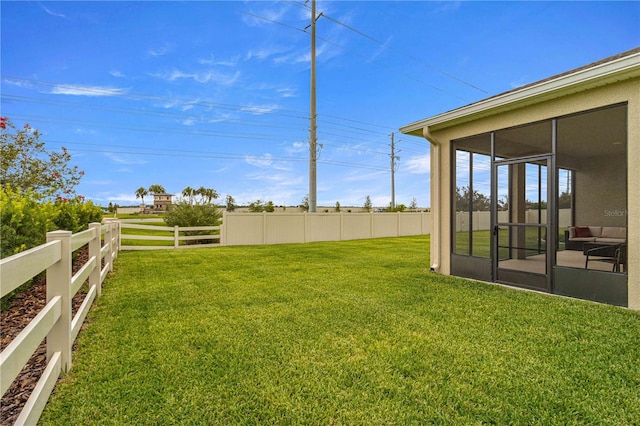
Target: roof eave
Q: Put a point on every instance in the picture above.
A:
(617, 70)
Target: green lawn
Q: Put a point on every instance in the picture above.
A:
(356, 332)
(147, 232)
(156, 233)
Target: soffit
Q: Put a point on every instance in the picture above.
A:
(615, 69)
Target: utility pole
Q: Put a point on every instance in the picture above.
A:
(394, 157)
(312, 116)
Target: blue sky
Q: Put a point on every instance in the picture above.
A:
(216, 94)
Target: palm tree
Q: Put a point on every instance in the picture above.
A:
(207, 194)
(210, 194)
(140, 193)
(188, 193)
(157, 189)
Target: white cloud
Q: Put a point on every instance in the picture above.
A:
(221, 118)
(418, 165)
(519, 82)
(288, 92)
(81, 131)
(103, 182)
(116, 73)
(79, 90)
(256, 20)
(129, 160)
(212, 61)
(261, 161)
(297, 148)
(120, 198)
(161, 51)
(263, 53)
(381, 49)
(324, 52)
(447, 6)
(52, 12)
(201, 77)
(17, 82)
(280, 179)
(259, 109)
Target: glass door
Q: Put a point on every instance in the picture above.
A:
(523, 244)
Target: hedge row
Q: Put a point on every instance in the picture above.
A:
(26, 217)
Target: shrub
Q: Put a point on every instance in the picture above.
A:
(25, 220)
(184, 214)
(26, 217)
(75, 214)
(256, 206)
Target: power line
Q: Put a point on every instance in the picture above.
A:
(137, 111)
(154, 129)
(196, 154)
(383, 44)
(377, 63)
(410, 77)
(248, 109)
(357, 121)
(191, 117)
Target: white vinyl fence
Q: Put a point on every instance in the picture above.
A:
(54, 323)
(166, 241)
(279, 228)
(482, 220)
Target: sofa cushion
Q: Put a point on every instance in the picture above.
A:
(585, 239)
(614, 232)
(610, 240)
(596, 231)
(580, 232)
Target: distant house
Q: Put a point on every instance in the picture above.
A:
(570, 142)
(161, 201)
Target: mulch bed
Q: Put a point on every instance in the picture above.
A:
(22, 309)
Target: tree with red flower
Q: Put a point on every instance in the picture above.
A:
(26, 164)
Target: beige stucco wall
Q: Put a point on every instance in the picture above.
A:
(625, 91)
(596, 204)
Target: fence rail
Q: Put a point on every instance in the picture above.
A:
(54, 322)
(213, 233)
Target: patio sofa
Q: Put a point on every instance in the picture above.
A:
(576, 236)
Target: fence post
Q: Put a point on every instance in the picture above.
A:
(176, 236)
(108, 240)
(59, 284)
(94, 251)
(117, 232)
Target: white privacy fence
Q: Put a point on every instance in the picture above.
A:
(280, 228)
(273, 228)
(482, 220)
(54, 322)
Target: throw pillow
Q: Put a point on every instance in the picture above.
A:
(582, 231)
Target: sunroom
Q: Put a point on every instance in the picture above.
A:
(537, 188)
